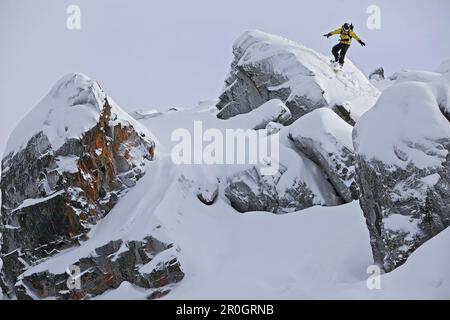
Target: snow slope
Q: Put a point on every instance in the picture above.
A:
(426, 275)
(320, 252)
(444, 67)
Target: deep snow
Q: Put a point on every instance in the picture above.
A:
(320, 252)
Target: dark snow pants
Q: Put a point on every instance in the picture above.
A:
(339, 52)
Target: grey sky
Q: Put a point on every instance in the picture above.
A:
(159, 54)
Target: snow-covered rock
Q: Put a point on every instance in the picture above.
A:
(271, 111)
(107, 268)
(444, 67)
(267, 67)
(66, 165)
(145, 114)
(207, 193)
(438, 81)
(403, 169)
(327, 140)
(441, 90)
(298, 184)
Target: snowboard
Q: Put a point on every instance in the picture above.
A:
(335, 66)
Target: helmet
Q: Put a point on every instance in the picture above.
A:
(346, 26)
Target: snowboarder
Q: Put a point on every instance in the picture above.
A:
(346, 32)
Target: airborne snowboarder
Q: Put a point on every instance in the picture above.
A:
(346, 32)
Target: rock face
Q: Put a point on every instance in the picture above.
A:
(327, 140)
(268, 67)
(250, 191)
(207, 193)
(403, 169)
(136, 262)
(66, 166)
(295, 187)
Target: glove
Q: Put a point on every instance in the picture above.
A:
(327, 35)
(362, 43)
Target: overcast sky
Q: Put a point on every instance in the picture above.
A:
(159, 54)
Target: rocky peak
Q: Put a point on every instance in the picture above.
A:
(67, 164)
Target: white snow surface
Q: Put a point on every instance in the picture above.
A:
(426, 275)
(326, 127)
(439, 82)
(307, 72)
(67, 164)
(398, 222)
(34, 201)
(404, 127)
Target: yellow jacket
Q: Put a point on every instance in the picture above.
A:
(346, 36)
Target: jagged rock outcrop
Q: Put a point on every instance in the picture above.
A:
(250, 191)
(268, 67)
(402, 147)
(327, 140)
(297, 182)
(377, 74)
(294, 187)
(66, 166)
(207, 193)
(137, 262)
